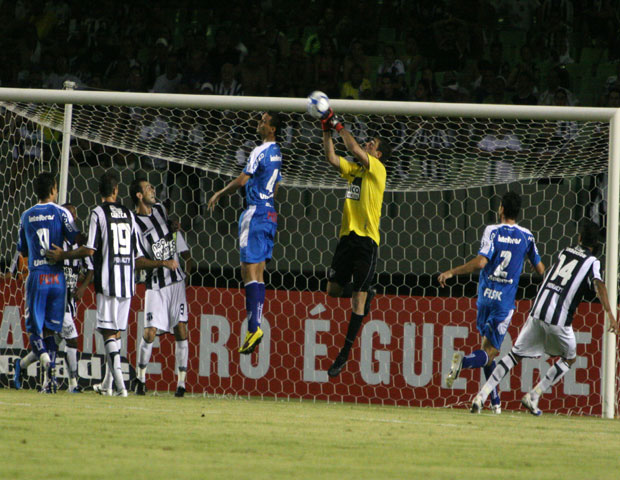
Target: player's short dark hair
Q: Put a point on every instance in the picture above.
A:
(385, 148)
(136, 188)
(107, 183)
(43, 184)
(589, 233)
(511, 201)
(276, 121)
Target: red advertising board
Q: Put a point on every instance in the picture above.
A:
(401, 357)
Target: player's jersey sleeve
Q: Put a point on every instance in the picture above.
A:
(532, 251)
(594, 273)
(69, 228)
(22, 243)
(137, 233)
(487, 244)
(181, 243)
(253, 162)
(94, 232)
(349, 170)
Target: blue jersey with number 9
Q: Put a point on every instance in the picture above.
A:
(264, 167)
(505, 246)
(40, 227)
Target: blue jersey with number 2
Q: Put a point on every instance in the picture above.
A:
(505, 246)
(264, 167)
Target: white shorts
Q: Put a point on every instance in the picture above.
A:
(112, 312)
(166, 307)
(537, 337)
(68, 327)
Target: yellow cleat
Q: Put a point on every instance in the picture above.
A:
(252, 339)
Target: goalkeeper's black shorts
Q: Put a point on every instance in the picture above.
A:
(355, 258)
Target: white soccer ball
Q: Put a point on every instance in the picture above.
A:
(318, 104)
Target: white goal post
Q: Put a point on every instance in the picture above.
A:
(609, 116)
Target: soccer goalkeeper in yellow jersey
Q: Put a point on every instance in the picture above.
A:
(353, 266)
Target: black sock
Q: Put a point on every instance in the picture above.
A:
(354, 327)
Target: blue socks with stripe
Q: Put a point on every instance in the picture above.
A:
(476, 359)
(254, 300)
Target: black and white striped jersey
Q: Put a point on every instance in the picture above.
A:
(158, 242)
(73, 269)
(564, 286)
(113, 235)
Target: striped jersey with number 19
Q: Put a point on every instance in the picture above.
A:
(112, 234)
(159, 242)
(564, 286)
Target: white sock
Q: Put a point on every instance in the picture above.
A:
(144, 356)
(71, 355)
(181, 354)
(114, 363)
(500, 371)
(28, 360)
(553, 376)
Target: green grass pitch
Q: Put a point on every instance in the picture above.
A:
(87, 436)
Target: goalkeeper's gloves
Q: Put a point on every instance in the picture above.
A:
(331, 121)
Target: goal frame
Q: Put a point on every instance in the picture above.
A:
(70, 97)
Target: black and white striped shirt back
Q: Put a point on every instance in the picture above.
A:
(112, 234)
(158, 242)
(564, 286)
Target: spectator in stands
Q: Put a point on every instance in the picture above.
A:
(157, 65)
(421, 93)
(559, 48)
(557, 77)
(412, 58)
(358, 87)
(429, 81)
(448, 52)
(254, 75)
(195, 74)
(452, 91)
(527, 64)
(525, 90)
(327, 66)
(356, 56)
(228, 84)
(169, 81)
(498, 64)
(223, 52)
(135, 81)
(60, 74)
(387, 89)
(497, 93)
(392, 66)
(299, 70)
(483, 84)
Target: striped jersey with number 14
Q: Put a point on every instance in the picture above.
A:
(505, 246)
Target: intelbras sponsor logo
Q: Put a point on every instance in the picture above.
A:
(40, 218)
(513, 241)
(275, 158)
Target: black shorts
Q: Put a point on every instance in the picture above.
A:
(355, 257)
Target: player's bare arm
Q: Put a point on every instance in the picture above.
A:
(475, 264)
(189, 262)
(143, 263)
(354, 148)
(330, 153)
(78, 293)
(233, 186)
(57, 254)
(540, 268)
(601, 293)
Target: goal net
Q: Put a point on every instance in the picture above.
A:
(451, 164)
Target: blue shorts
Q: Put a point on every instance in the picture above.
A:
(493, 322)
(257, 228)
(45, 301)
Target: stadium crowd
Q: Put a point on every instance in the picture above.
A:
(550, 52)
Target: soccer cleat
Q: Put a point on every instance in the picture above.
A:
(337, 366)
(180, 392)
(76, 389)
(98, 387)
(496, 409)
(252, 340)
(476, 405)
(139, 387)
(371, 294)
(455, 369)
(531, 405)
(122, 393)
(17, 377)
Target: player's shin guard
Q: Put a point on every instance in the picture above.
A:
(501, 369)
(71, 353)
(254, 304)
(181, 355)
(37, 344)
(144, 356)
(28, 360)
(488, 371)
(114, 363)
(353, 329)
(553, 376)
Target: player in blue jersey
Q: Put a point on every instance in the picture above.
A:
(42, 225)
(258, 222)
(503, 250)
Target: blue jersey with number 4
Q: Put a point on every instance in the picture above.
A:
(40, 227)
(505, 246)
(264, 167)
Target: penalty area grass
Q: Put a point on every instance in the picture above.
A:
(88, 436)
